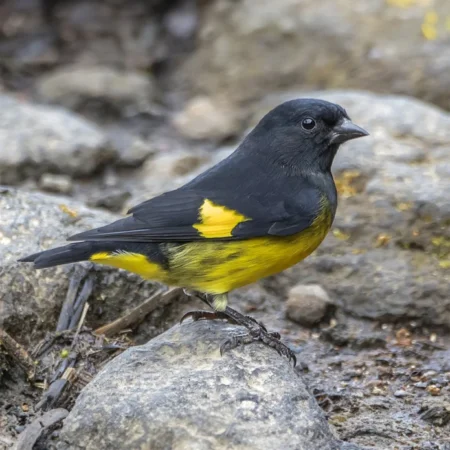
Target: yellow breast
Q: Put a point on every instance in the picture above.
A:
(218, 267)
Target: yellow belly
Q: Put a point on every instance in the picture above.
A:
(217, 267)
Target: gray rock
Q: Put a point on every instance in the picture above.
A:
(31, 299)
(56, 183)
(176, 391)
(111, 199)
(436, 411)
(131, 150)
(307, 304)
(37, 139)
(74, 86)
(388, 284)
(313, 44)
(208, 118)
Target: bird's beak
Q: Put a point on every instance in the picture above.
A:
(345, 131)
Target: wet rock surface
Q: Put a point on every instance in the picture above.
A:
(178, 392)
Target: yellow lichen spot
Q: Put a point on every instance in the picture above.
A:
(445, 264)
(70, 212)
(429, 32)
(339, 234)
(428, 27)
(346, 183)
(64, 353)
(382, 240)
(447, 23)
(217, 221)
(440, 241)
(431, 17)
(441, 249)
(358, 251)
(404, 206)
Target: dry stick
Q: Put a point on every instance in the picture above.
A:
(80, 324)
(78, 307)
(58, 384)
(14, 349)
(31, 434)
(160, 298)
(67, 307)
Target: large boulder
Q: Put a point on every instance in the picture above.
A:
(247, 48)
(178, 392)
(78, 86)
(35, 139)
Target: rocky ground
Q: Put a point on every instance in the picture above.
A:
(104, 104)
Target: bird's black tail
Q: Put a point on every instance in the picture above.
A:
(79, 251)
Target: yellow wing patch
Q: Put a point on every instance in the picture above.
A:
(217, 221)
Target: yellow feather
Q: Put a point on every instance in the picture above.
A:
(217, 221)
(133, 262)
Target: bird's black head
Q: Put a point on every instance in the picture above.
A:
(305, 134)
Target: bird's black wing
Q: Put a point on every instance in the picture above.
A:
(190, 215)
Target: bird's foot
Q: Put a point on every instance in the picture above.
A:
(257, 332)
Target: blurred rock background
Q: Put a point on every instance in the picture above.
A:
(104, 104)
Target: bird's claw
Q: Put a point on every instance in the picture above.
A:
(236, 341)
(259, 334)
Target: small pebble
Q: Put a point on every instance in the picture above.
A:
(433, 389)
(61, 184)
(307, 304)
(378, 391)
(400, 393)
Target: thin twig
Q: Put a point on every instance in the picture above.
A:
(80, 324)
(67, 307)
(136, 315)
(81, 300)
(18, 352)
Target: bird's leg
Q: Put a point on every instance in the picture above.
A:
(256, 330)
(206, 315)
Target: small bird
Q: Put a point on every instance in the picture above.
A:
(263, 209)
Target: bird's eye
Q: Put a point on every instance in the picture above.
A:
(308, 123)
